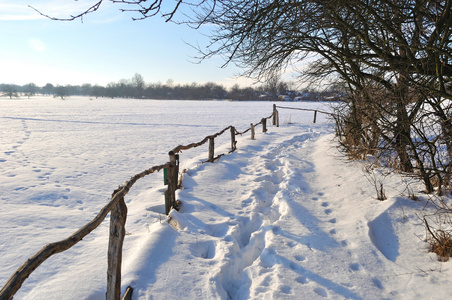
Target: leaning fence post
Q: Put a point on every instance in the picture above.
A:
(170, 193)
(118, 216)
(315, 116)
(264, 125)
(252, 131)
(274, 114)
(233, 141)
(211, 149)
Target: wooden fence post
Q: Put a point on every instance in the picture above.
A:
(211, 149)
(176, 174)
(170, 193)
(315, 116)
(233, 141)
(274, 114)
(118, 216)
(264, 125)
(277, 118)
(252, 131)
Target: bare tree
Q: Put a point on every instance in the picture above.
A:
(30, 89)
(48, 89)
(61, 91)
(138, 84)
(10, 90)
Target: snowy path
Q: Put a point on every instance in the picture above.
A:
(286, 219)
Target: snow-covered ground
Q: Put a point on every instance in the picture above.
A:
(286, 216)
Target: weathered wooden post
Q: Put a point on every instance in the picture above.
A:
(315, 116)
(176, 175)
(274, 114)
(233, 141)
(211, 149)
(118, 216)
(170, 193)
(252, 131)
(264, 125)
(277, 118)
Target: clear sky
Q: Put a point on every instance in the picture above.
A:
(106, 47)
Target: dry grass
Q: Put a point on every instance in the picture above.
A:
(440, 242)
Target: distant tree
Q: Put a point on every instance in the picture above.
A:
(138, 85)
(234, 92)
(73, 90)
(61, 91)
(111, 90)
(170, 82)
(238, 93)
(283, 87)
(10, 90)
(218, 92)
(124, 88)
(86, 89)
(30, 89)
(48, 89)
(97, 91)
(272, 85)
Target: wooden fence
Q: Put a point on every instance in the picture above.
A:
(304, 109)
(118, 209)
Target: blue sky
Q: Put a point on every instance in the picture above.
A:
(107, 47)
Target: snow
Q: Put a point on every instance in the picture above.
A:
(286, 216)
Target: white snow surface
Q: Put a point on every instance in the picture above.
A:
(286, 216)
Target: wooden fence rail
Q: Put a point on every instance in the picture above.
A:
(305, 109)
(118, 217)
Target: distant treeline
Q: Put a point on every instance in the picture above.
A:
(137, 88)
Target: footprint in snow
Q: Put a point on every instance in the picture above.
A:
(354, 267)
(291, 244)
(300, 257)
(301, 280)
(286, 289)
(276, 229)
(294, 266)
(204, 249)
(377, 283)
(321, 292)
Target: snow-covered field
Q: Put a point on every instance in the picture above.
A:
(283, 217)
